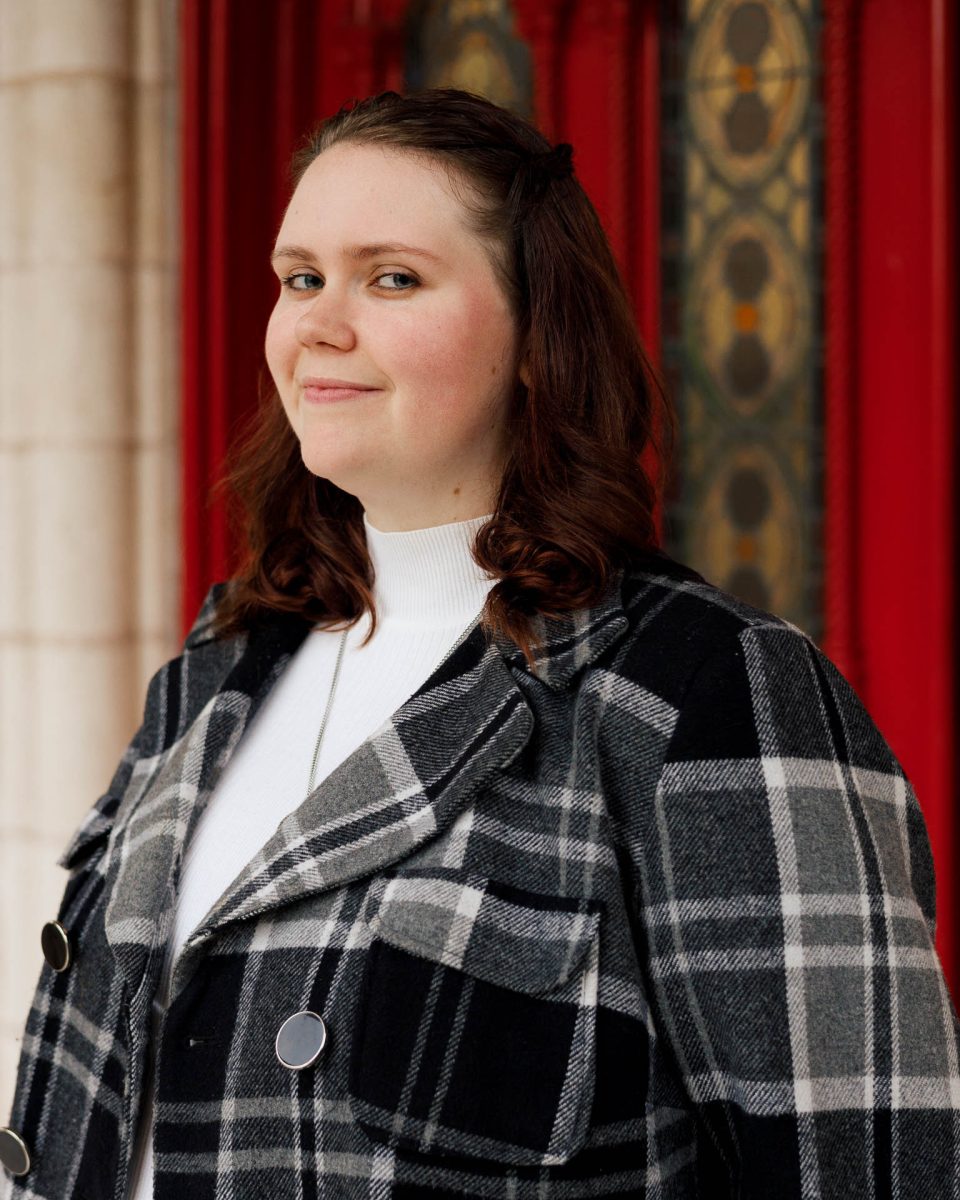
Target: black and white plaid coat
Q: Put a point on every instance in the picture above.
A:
(656, 920)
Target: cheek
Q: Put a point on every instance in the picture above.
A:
(459, 361)
(279, 345)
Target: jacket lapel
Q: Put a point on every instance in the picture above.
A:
(404, 785)
(171, 783)
(401, 787)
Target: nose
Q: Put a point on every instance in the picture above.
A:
(324, 320)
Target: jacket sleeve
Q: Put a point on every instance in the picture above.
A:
(787, 902)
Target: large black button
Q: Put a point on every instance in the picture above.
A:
(55, 943)
(14, 1154)
(300, 1039)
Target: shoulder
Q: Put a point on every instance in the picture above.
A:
(211, 663)
(182, 686)
(733, 680)
(202, 631)
(678, 624)
(687, 600)
(754, 721)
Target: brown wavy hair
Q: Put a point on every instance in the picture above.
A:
(589, 435)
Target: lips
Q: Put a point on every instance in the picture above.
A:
(313, 381)
(322, 391)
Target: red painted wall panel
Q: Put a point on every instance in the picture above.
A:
(904, 436)
(891, 313)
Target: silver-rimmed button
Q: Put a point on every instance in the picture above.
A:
(14, 1154)
(55, 943)
(300, 1040)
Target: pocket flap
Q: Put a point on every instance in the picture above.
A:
(505, 936)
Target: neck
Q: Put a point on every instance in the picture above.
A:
(427, 574)
(404, 509)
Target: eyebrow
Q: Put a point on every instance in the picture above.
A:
(357, 253)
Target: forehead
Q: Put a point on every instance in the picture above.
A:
(369, 193)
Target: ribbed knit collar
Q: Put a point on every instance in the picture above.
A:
(427, 574)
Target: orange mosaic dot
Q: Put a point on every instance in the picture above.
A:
(746, 548)
(746, 318)
(746, 78)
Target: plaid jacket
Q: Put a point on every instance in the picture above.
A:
(655, 920)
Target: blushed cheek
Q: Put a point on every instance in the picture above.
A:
(463, 365)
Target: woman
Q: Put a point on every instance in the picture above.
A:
(473, 846)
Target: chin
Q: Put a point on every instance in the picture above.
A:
(341, 471)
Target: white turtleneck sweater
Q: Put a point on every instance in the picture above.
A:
(427, 590)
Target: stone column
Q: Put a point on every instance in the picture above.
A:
(89, 477)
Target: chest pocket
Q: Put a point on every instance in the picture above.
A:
(475, 1034)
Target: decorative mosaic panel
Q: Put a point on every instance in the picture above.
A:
(742, 295)
(469, 44)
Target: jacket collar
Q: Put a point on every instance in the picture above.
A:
(571, 642)
(403, 786)
(566, 644)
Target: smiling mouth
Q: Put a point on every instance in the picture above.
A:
(313, 394)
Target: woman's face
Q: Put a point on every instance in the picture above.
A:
(383, 285)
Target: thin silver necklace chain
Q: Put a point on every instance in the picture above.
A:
(326, 713)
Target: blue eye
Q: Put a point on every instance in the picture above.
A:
(291, 281)
(411, 281)
(306, 281)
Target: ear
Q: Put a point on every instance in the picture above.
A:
(524, 372)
